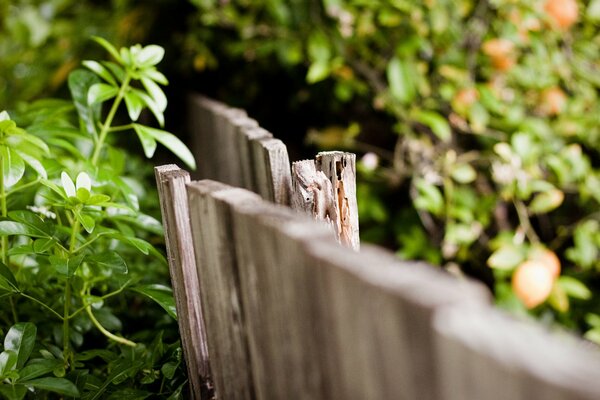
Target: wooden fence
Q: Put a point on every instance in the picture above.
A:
(272, 306)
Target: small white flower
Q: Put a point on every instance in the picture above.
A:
(68, 185)
(45, 211)
(370, 161)
(83, 182)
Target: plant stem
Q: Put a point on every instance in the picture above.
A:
(22, 187)
(525, 223)
(120, 128)
(3, 211)
(67, 305)
(106, 296)
(106, 333)
(109, 119)
(41, 304)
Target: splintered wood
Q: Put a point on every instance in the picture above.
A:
(326, 188)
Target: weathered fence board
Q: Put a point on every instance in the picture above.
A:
(171, 183)
(216, 141)
(486, 354)
(217, 267)
(378, 314)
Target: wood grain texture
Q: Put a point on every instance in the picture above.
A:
(271, 169)
(340, 168)
(217, 265)
(376, 321)
(202, 124)
(240, 126)
(171, 183)
(245, 140)
(278, 300)
(486, 354)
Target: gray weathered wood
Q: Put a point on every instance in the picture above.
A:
(278, 299)
(217, 265)
(340, 168)
(182, 266)
(202, 121)
(240, 126)
(271, 169)
(486, 354)
(312, 193)
(376, 320)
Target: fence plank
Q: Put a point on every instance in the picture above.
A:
(245, 140)
(182, 266)
(216, 260)
(312, 193)
(278, 300)
(377, 321)
(272, 170)
(340, 168)
(486, 354)
(240, 126)
(202, 121)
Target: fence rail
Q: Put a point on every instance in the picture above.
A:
(290, 313)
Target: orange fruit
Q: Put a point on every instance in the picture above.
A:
(463, 99)
(548, 258)
(563, 13)
(532, 283)
(501, 53)
(554, 101)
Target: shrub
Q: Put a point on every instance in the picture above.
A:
(489, 123)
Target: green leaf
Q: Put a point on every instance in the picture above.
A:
(33, 221)
(66, 266)
(13, 392)
(574, 288)
(34, 163)
(80, 82)
(12, 164)
(110, 260)
(318, 71)
(150, 55)
(161, 294)
(85, 220)
(155, 75)
(134, 104)
(438, 124)
(546, 201)
(7, 279)
(400, 80)
(593, 335)
(101, 71)
(21, 339)
(169, 369)
(154, 108)
(506, 257)
(56, 385)
(38, 367)
(430, 197)
(116, 70)
(464, 173)
(109, 47)
(101, 92)
(121, 371)
(147, 141)
(8, 361)
(156, 93)
(171, 142)
(42, 245)
(16, 228)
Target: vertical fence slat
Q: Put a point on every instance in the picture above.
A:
(279, 314)
(245, 142)
(216, 260)
(340, 168)
(241, 125)
(486, 354)
(272, 170)
(378, 321)
(182, 266)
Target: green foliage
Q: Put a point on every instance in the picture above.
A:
(76, 249)
(491, 106)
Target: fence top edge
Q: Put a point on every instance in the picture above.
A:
(556, 357)
(420, 282)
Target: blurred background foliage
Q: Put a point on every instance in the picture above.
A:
(476, 122)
